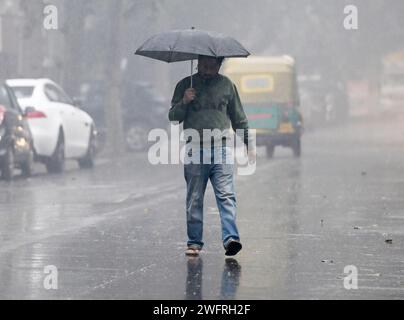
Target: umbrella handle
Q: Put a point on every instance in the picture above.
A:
(192, 69)
(192, 65)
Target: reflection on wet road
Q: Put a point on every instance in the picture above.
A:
(230, 279)
(118, 231)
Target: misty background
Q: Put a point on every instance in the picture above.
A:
(93, 48)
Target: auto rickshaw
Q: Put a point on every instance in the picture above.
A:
(268, 90)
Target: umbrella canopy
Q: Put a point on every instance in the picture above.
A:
(184, 45)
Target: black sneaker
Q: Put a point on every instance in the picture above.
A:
(233, 248)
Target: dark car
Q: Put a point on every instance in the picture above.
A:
(16, 147)
(143, 109)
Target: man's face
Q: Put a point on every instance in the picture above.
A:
(208, 67)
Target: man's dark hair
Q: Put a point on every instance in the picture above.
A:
(218, 59)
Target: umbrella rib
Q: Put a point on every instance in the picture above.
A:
(172, 49)
(214, 47)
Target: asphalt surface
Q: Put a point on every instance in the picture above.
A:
(118, 231)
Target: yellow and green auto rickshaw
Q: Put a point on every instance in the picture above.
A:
(268, 90)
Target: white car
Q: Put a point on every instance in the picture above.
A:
(60, 130)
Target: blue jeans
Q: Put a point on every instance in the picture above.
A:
(221, 176)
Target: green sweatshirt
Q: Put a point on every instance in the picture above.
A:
(217, 106)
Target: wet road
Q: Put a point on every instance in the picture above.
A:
(118, 231)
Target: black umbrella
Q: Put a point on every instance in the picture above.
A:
(185, 45)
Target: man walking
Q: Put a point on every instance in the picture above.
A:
(212, 103)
